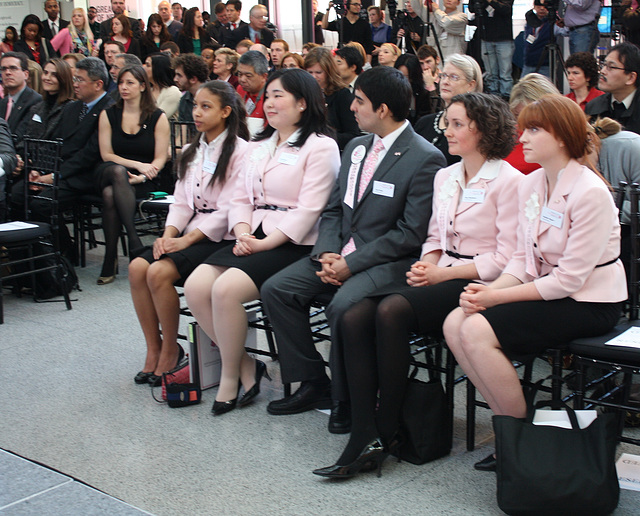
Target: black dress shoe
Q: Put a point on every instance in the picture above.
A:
(247, 397)
(222, 407)
(340, 418)
(156, 380)
(371, 457)
(142, 377)
(309, 396)
(487, 464)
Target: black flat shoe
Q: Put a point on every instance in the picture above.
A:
(222, 407)
(487, 464)
(371, 457)
(156, 379)
(340, 418)
(142, 377)
(247, 397)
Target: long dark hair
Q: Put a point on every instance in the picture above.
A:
(161, 71)
(412, 64)
(164, 33)
(302, 86)
(65, 80)
(147, 104)
(236, 125)
(188, 23)
(13, 30)
(30, 19)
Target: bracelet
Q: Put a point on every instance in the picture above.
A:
(245, 234)
(144, 178)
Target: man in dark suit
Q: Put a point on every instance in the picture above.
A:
(619, 78)
(18, 98)
(173, 26)
(256, 30)
(233, 8)
(221, 22)
(370, 233)
(118, 6)
(53, 24)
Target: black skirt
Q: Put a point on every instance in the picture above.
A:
(260, 266)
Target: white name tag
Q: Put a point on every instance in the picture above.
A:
(250, 106)
(552, 217)
(531, 39)
(288, 158)
(385, 189)
(350, 194)
(358, 154)
(490, 11)
(209, 167)
(473, 195)
(36, 118)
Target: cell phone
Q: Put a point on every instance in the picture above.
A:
(156, 196)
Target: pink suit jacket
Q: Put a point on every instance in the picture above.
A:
(192, 192)
(485, 230)
(561, 261)
(298, 179)
(62, 43)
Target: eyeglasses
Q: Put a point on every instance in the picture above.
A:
(357, 5)
(609, 67)
(10, 69)
(81, 80)
(451, 76)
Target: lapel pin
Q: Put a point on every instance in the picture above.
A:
(397, 153)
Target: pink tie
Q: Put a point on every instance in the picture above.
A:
(9, 106)
(365, 178)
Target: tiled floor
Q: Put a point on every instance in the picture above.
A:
(69, 402)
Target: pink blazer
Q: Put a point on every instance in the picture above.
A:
(561, 261)
(298, 179)
(485, 229)
(193, 192)
(61, 42)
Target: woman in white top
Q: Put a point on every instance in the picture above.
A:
(164, 91)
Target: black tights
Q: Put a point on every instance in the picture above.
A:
(119, 207)
(377, 359)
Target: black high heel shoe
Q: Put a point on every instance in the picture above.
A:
(222, 407)
(247, 397)
(156, 379)
(373, 453)
(142, 377)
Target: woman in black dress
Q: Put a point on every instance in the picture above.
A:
(134, 138)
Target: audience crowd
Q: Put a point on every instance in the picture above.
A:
(390, 179)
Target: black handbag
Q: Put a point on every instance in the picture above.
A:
(425, 432)
(556, 471)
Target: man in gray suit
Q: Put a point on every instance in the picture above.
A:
(371, 231)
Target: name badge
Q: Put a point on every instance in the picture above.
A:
(531, 39)
(490, 11)
(36, 118)
(384, 189)
(358, 154)
(209, 167)
(552, 217)
(250, 106)
(473, 195)
(288, 158)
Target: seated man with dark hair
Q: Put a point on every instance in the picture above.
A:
(349, 63)
(191, 72)
(370, 233)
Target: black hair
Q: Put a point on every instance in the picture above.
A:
(193, 66)
(161, 70)
(386, 85)
(20, 56)
(31, 19)
(629, 55)
(13, 30)
(188, 23)
(236, 125)
(587, 62)
(302, 86)
(412, 64)
(352, 56)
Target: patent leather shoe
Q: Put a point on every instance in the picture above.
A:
(309, 396)
(156, 379)
(340, 418)
(142, 377)
(373, 454)
(222, 407)
(487, 464)
(247, 397)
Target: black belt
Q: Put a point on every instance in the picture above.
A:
(458, 255)
(272, 207)
(205, 210)
(608, 263)
(583, 25)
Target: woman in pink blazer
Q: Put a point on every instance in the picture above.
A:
(285, 183)
(77, 38)
(565, 280)
(472, 235)
(197, 224)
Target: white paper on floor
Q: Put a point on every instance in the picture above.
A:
(628, 468)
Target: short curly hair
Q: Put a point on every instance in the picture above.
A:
(587, 63)
(494, 120)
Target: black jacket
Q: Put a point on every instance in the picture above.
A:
(242, 32)
(21, 46)
(499, 26)
(20, 111)
(7, 155)
(601, 107)
(46, 29)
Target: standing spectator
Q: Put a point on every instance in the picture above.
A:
(53, 24)
(192, 38)
(581, 18)
(537, 34)
(381, 32)
(216, 27)
(190, 74)
(234, 7)
(165, 93)
(32, 43)
(122, 33)
(10, 38)
(318, 36)
(631, 23)
(225, 65)
(351, 27)
(94, 25)
(118, 7)
(409, 28)
(349, 64)
(320, 64)
(279, 47)
(450, 26)
(173, 26)
(582, 75)
(495, 21)
(253, 70)
(77, 38)
(155, 35)
(176, 10)
(619, 79)
(256, 30)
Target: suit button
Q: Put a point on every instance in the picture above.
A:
(540, 258)
(353, 229)
(451, 223)
(197, 196)
(535, 245)
(197, 184)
